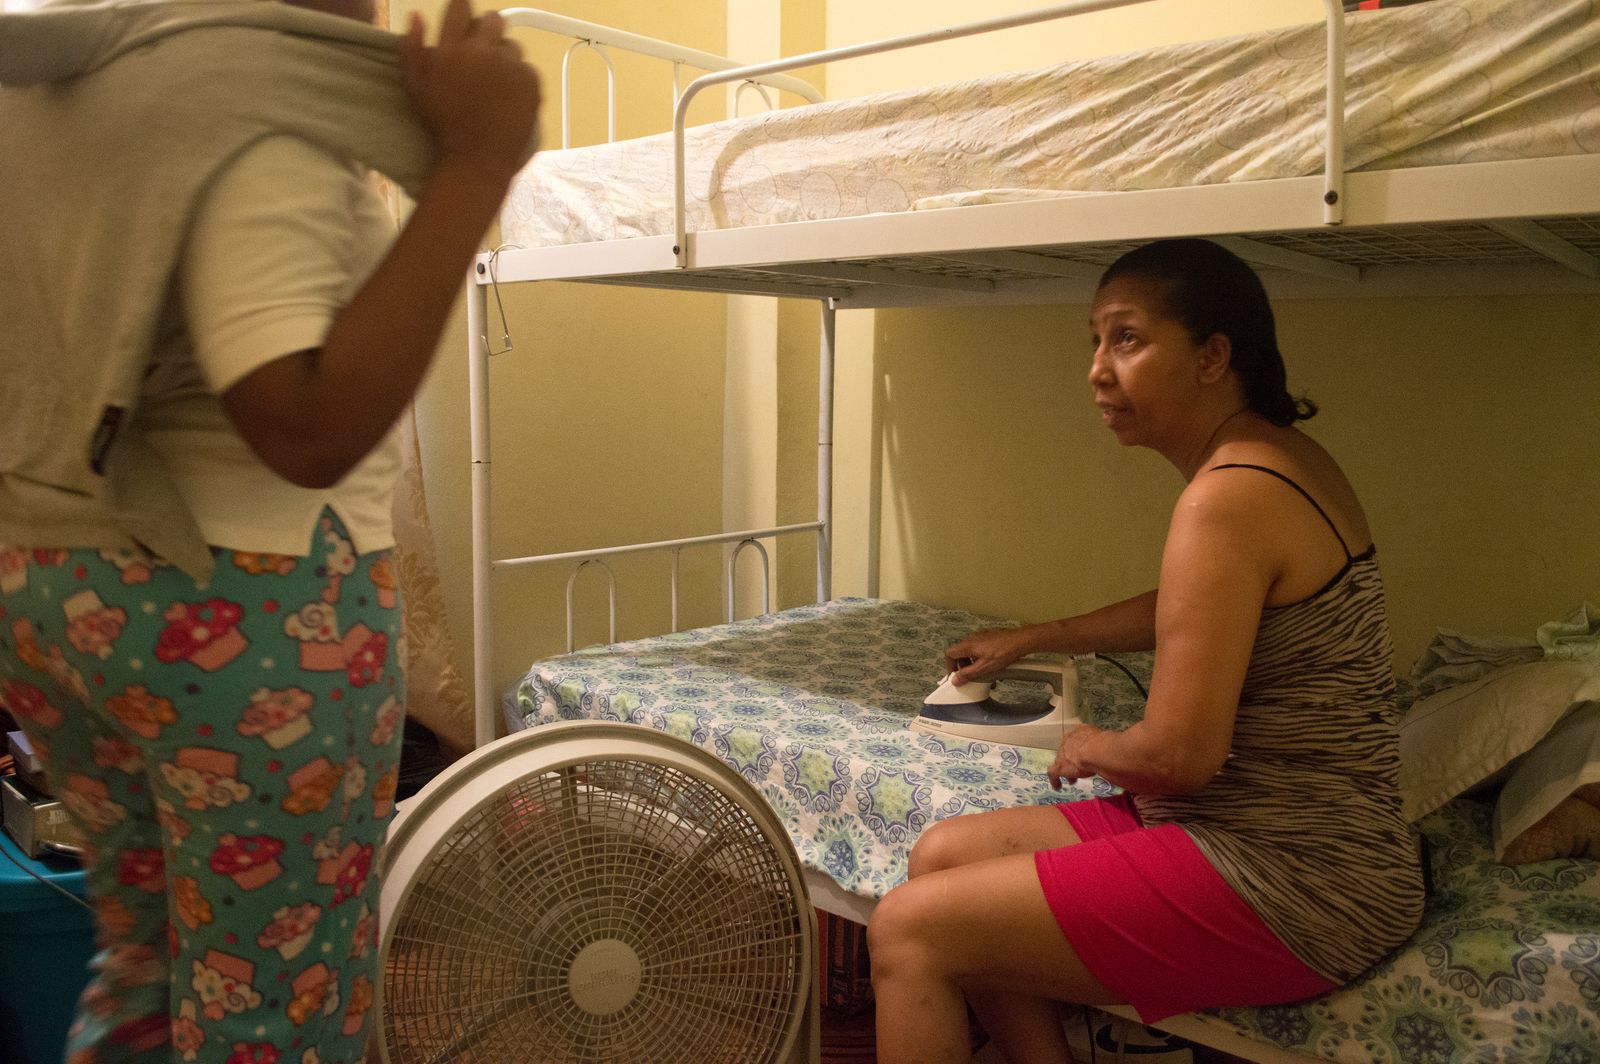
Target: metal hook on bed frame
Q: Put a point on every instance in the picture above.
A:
(766, 579)
(566, 93)
(611, 582)
(494, 286)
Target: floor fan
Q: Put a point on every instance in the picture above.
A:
(594, 892)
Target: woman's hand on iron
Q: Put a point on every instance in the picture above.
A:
(1069, 765)
(985, 652)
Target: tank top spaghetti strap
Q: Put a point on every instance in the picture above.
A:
(1303, 493)
(1349, 559)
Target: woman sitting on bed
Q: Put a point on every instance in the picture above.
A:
(1258, 853)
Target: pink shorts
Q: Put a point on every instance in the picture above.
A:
(1155, 923)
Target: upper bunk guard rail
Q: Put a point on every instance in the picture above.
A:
(1333, 165)
(611, 90)
(597, 38)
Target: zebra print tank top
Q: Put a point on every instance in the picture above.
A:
(1304, 818)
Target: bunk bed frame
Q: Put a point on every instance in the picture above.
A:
(1507, 227)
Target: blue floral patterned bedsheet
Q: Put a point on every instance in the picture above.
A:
(812, 705)
(1505, 968)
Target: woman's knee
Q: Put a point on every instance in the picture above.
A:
(938, 848)
(897, 929)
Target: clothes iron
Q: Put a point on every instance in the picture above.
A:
(968, 711)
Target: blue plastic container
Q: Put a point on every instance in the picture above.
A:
(46, 941)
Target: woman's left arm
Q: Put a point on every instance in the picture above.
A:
(1219, 562)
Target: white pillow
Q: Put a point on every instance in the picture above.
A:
(1565, 760)
(1462, 736)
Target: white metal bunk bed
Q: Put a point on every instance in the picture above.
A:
(1523, 225)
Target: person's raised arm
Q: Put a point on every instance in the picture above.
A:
(1121, 626)
(1216, 571)
(313, 415)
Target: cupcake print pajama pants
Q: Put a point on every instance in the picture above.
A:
(230, 752)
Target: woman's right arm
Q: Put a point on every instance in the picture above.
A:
(311, 416)
(1121, 626)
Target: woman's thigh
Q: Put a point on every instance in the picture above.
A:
(983, 836)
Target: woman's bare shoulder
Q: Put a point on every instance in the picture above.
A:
(1308, 465)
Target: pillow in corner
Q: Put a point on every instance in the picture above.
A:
(1464, 737)
(1549, 806)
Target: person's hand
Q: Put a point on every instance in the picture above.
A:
(473, 92)
(985, 652)
(1069, 764)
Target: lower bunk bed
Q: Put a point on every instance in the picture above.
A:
(812, 706)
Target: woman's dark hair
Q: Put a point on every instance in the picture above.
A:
(1208, 289)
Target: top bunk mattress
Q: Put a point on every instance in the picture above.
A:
(1451, 81)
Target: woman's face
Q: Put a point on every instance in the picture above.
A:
(1144, 372)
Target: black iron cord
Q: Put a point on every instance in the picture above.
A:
(1142, 692)
(57, 887)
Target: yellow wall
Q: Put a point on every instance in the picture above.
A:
(1102, 33)
(608, 415)
(802, 30)
(1464, 423)
(769, 459)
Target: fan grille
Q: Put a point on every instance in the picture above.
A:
(629, 852)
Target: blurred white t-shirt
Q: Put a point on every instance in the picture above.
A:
(282, 240)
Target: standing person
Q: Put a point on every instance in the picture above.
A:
(210, 330)
(1258, 853)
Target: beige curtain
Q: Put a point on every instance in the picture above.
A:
(436, 694)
